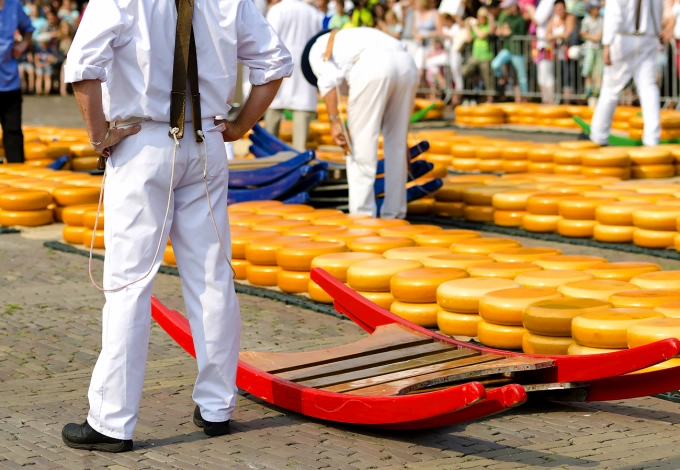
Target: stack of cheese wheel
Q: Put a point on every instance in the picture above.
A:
(652, 330)
(83, 157)
(259, 267)
(240, 240)
(615, 221)
(609, 161)
(543, 211)
(606, 331)
(371, 278)
(515, 157)
(541, 159)
(71, 195)
(415, 293)
(449, 199)
(510, 207)
(652, 162)
(295, 261)
(578, 215)
(502, 311)
(670, 125)
(90, 219)
(567, 161)
(420, 207)
(25, 207)
(459, 303)
(464, 157)
(548, 323)
(72, 216)
(335, 264)
(656, 226)
(479, 202)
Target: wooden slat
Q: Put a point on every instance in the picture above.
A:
(384, 338)
(489, 384)
(367, 366)
(400, 387)
(390, 376)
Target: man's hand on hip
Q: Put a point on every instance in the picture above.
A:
(337, 133)
(115, 136)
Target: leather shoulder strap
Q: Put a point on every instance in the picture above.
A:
(329, 47)
(638, 10)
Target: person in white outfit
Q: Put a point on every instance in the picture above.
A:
(295, 22)
(381, 79)
(545, 65)
(121, 67)
(630, 39)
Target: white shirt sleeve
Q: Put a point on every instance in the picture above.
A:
(102, 28)
(260, 48)
(328, 75)
(544, 11)
(613, 20)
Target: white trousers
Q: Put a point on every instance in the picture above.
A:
(632, 57)
(382, 87)
(136, 196)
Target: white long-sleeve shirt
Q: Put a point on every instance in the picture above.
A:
(620, 15)
(348, 45)
(129, 45)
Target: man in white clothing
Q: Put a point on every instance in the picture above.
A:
(295, 22)
(121, 67)
(381, 79)
(630, 39)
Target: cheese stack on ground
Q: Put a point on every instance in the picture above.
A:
(72, 216)
(650, 331)
(510, 207)
(543, 211)
(652, 162)
(83, 157)
(670, 126)
(567, 161)
(615, 221)
(656, 226)
(93, 237)
(72, 195)
(541, 159)
(479, 202)
(578, 216)
(609, 161)
(337, 265)
(501, 311)
(295, 260)
(24, 207)
(549, 323)
(448, 200)
(459, 304)
(259, 267)
(240, 240)
(371, 278)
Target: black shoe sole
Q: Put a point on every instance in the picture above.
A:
(198, 422)
(102, 447)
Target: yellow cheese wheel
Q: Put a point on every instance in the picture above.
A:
(478, 213)
(644, 298)
(316, 214)
(90, 217)
(98, 238)
(448, 209)
(465, 164)
(613, 233)
(293, 282)
(567, 157)
(73, 234)
(482, 195)
(490, 165)
(536, 167)
(251, 206)
(515, 166)
(262, 251)
(676, 242)
(569, 262)
(375, 275)
(653, 171)
(576, 228)
(283, 209)
(452, 192)
(500, 336)
(553, 317)
(26, 218)
(462, 295)
(668, 201)
(247, 219)
(523, 255)
(312, 231)
(458, 324)
(419, 207)
(567, 169)
(298, 256)
(240, 240)
(84, 163)
(451, 260)
(262, 275)
(73, 215)
(650, 155)
(169, 256)
(581, 208)
(383, 299)
(25, 200)
(239, 265)
(607, 329)
(483, 246)
(542, 154)
(463, 150)
(611, 157)
(579, 350)
(657, 280)
(641, 198)
(420, 285)
(415, 253)
(505, 307)
(540, 223)
(487, 153)
(546, 203)
(551, 278)
(501, 270)
(420, 314)
(508, 218)
(444, 238)
(72, 196)
(654, 238)
(317, 294)
(379, 244)
(607, 193)
(409, 231)
(598, 289)
(337, 264)
(621, 271)
(657, 218)
(675, 362)
(377, 224)
(550, 345)
(344, 236)
(652, 330)
(618, 213)
(623, 173)
(578, 144)
(277, 225)
(514, 200)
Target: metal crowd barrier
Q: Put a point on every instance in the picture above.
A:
(568, 83)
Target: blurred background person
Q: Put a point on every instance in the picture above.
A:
(479, 63)
(560, 28)
(339, 18)
(392, 24)
(426, 26)
(591, 32)
(326, 13)
(542, 52)
(64, 44)
(44, 58)
(511, 26)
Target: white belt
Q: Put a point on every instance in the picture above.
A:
(115, 124)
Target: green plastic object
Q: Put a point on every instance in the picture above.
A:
(418, 115)
(287, 115)
(614, 140)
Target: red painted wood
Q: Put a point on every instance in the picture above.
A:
(634, 385)
(569, 368)
(497, 400)
(174, 324)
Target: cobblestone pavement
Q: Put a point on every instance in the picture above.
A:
(50, 337)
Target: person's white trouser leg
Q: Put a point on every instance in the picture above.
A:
(456, 67)
(396, 120)
(272, 121)
(648, 91)
(229, 148)
(301, 120)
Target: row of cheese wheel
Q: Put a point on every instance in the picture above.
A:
(81, 221)
(44, 144)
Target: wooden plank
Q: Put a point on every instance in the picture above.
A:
(409, 384)
(384, 338)
(489, 384)
(392, 376)
(377, 364)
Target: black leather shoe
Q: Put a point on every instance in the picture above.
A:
(211, 429)
(82, 436)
